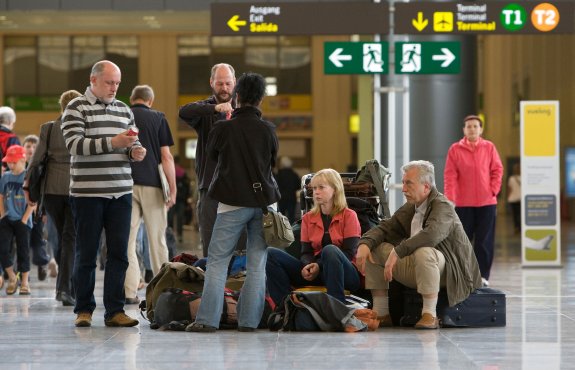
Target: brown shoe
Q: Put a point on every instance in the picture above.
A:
(385, 321)
(83, 319)
(12, 286)
(427, 322)
(122, 320)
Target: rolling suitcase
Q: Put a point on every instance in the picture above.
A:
(483, 308)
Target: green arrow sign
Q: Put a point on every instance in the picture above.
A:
(355, 57)
(427, 57)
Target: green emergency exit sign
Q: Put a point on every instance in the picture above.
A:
(427, 57)
(356, 57)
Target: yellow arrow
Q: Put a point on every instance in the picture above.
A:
(234, 23)
(420, 23)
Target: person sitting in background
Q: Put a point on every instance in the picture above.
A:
(330, 233)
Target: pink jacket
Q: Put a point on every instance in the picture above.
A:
(472, 176)
(343, 225)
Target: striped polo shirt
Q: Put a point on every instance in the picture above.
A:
(97, 170)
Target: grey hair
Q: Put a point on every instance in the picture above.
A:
(99, 67)
(7, 116)
(142, 92)
(426, 171)
(216, 66)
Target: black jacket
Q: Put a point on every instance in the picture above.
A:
(202, 115)
(231, 183)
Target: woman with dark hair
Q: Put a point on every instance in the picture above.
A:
(472, 180)
(330, 234)
(238, 206)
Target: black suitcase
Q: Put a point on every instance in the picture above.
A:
(483, 308)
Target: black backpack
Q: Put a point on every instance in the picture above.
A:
(176, 308)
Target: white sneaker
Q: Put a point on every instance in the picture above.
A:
(485, 282)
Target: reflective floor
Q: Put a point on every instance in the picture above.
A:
(36, 332)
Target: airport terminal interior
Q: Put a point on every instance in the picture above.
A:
(48, 46)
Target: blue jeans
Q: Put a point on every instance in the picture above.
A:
(337, 273)
(227, 230)
(91, 215)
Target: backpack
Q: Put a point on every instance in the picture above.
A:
(171, 275)
(373, 172)
(318, 311)
(177, 308)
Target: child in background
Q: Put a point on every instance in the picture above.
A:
(15, 220)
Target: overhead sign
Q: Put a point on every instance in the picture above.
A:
(489, 17)
(299, 18)
(427, 57)
(355, 57)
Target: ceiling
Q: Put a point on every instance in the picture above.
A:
(104, 22)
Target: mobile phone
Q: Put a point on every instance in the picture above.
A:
(133, 131)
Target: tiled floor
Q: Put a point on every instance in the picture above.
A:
(38, 333)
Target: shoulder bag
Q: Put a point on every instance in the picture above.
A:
(37, 176)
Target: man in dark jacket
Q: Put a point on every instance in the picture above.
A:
(423, 246)
(201, 116)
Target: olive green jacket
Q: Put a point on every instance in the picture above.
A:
(441, 229)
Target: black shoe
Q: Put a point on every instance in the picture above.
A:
(42, 273)
(148, 276)
(67, 299)
(246, 329)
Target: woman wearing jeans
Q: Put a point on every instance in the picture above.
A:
(238, 207)
(330, 234)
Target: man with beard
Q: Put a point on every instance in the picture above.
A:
(201, 115)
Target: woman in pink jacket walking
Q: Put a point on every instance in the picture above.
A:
(472, 180)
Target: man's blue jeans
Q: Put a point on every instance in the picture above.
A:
(337, 273)
(91, 215)
(227, 230)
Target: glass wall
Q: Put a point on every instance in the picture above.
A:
(37, 69)
(284, 61)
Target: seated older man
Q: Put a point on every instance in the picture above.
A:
(423, 246)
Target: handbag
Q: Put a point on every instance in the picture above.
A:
(276, 227)
(164, 182)
(37, 174)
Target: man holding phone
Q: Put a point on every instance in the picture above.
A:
(96, 131)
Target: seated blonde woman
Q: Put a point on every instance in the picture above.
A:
(330, 232)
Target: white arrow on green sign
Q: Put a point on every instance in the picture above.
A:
(427, 57)
(355, 57)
